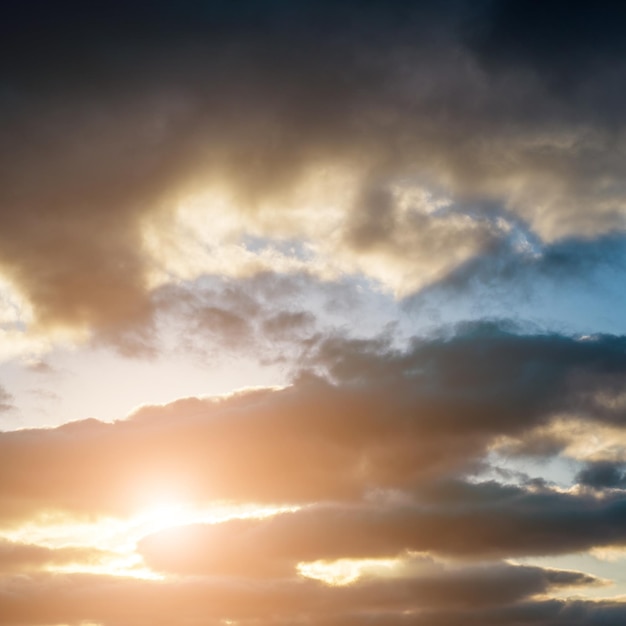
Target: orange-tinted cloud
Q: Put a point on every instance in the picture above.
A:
(468, 521)
(27, 558)
(46, 598)
(381, 419)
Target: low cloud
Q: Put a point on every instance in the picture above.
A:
(603, 474)
(23, 558)
(461, 520)
(40, 599)
(373, 417)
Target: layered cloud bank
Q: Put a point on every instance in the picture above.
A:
(368, 197)
(380, 419)
(374, 454)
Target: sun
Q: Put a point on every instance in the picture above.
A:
(165, 514)
(115, 540)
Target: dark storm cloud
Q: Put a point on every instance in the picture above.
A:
(373, 418)
(109, 106)
(562, 42)
(115, 112)
(71, 598)
(602, 474)
(534, 613)
(488, 373)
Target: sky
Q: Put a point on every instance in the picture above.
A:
(311, 313)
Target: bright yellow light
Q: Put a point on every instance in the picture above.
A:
(117, 538)
(346, 571)
(122, 565)
(165, 515)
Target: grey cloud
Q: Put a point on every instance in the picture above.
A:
(564, 43)
(74, 598)
(533, 613)
(6, 400)
(481, 521)
(602, 474)
(116, 114)
(520, 266)
(374, 417)
(265, 316)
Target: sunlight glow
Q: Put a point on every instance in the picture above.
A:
(346, 571)
(122, 565)
(117, 538)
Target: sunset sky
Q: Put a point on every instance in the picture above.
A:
(312, 313)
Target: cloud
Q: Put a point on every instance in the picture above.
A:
(602, 474)
(373, 417)
(40, 599)
(200, 177)
(565, 44)
(6, 400)
(266, 316)
(534, 613)
(461, 520)
(374, 149)
(520, 266)
(27, 558)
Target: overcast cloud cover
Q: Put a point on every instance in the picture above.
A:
(407, 219)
